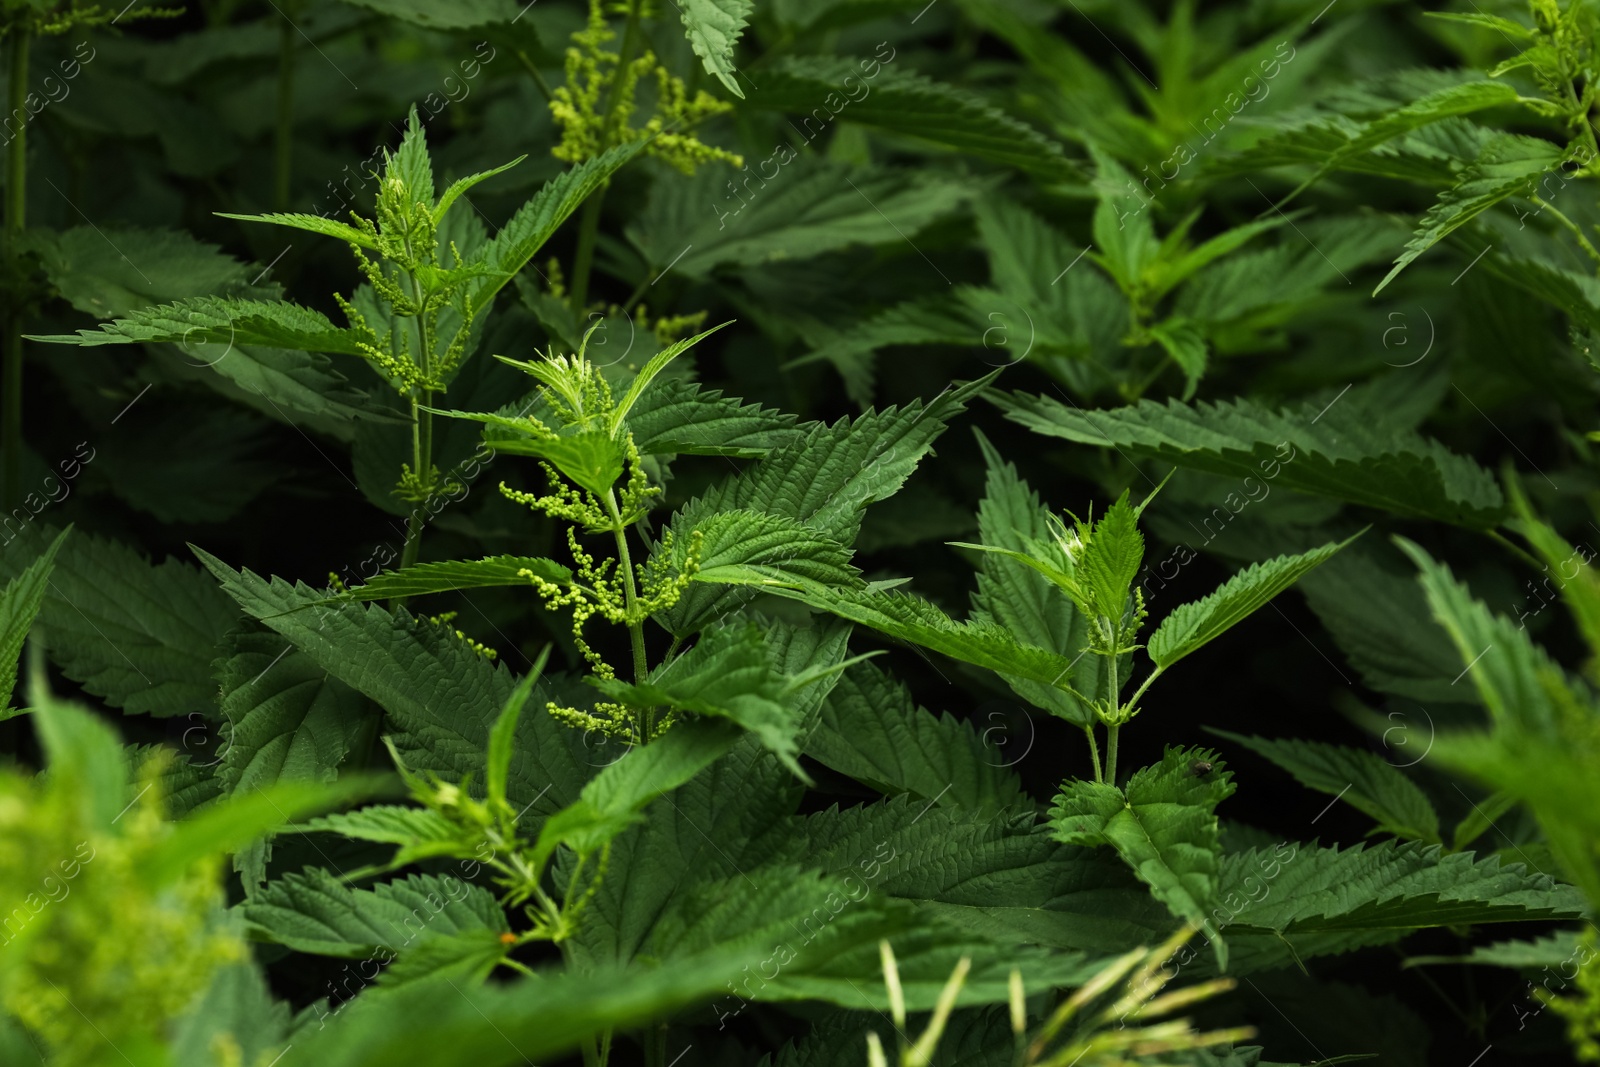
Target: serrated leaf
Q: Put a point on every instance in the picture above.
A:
(420, 832)
(1510, 165)
(310, 224)
(440, 695)
(141, 637)
(1331, 453)
(520, 239)
(677, 416)
(1364, 779)
(905, 102)
(1193, 625)
(312, 911)
(871, 730)
(713, 28)
(219, 320)
(421, 579)
(87, 270)
(20, 601)
(1163, 824)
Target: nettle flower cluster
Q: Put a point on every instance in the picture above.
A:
(595, 107)
(598, 482)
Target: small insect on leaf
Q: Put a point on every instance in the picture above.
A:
(1199, 768)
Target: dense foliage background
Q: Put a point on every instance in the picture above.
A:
(1331, 267)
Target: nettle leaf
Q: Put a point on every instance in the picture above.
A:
(912, 619)
(1510, 165)
(420, 832)
(1462, 99)
(441, 697)
(593, 460)
(83, 265)
(236, 1011)
(310, 224)
(139, 636)
(220, 320)
(1364, 779)
(727, 675)
(1193, 625)
(1552, 950)
(520, 239)
(313, 911)
(288, 718)
(871, 730)
(422, 579)
(20, 601)
(822, 480)
(1332, 453)
(822, 89)
(676, 416)
(1283, 906)
(1163, 824)
(813, 206)
(1027, 603)
(713, 28)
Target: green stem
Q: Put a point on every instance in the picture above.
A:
(15, 221)
(630, 596)
(1137, 693)
(285, 140)
(583, 260)
(589, 222)
(1094, 751)
(1570, 225)
(1111, 752)
(538, 79)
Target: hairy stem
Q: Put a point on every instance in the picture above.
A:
(1094, 751)
(421, 434)
(1577, 232)
(16, 219)
(284, 147)
(1115, 698)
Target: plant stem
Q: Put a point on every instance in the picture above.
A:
(630, 596)
(1111, 752)
(1570, 225)
(1094, 751)
(15, 220)
(589, 221)
(285, 140)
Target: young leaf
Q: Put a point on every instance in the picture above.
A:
(461, 186)
(1193, 625)
(502, 736)
(713, 28)
(1364, 779)
(647, 374)
(422, 579)
(593, 460)
(1163, 824)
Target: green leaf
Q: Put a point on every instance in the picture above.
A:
(411, 164)
(422, 579)
(440, 696)
(874, 732)
(648, 374)
(1027, 603)
(236, 1011)
(677, 416)
(140, 637)
(20, 601)
(1510, 165)
(1193, 625)
(83, 755)
(421, 833)
(218, 320)
(313, 911)
(1363, 779)
(812, 207)
(727, 675)
(311, 224)
(593, 460)
(823, 89)
(713, 28)
(89, 272)
(1183, 340)
(502, 736)
(520, 239)
(288, 719)
(457, 15)
(1553, 950)
(1300, 901)
(461, 186)
(1163, 824)
(1332, 453)
(1462, 99)
(910, 618)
